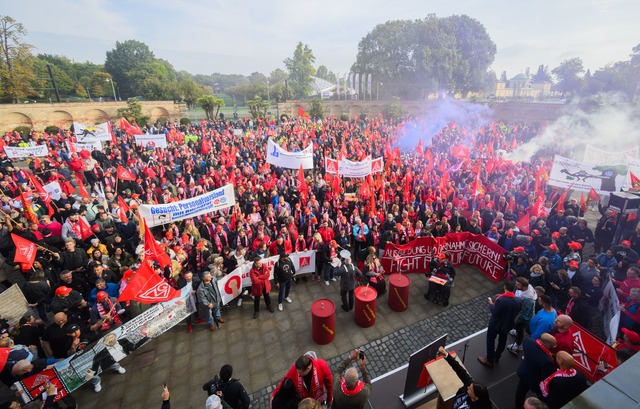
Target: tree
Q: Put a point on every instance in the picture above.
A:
(257, 78)
(324, 73)
(567, 75)
(416, 57)
(300, 69)
(542, 75)
(503, 77)
(125, 63)
(133, 112)
(16, 59)
(258, 107)
(317, 109)
(278, 75)
(211, 105)
(393, 110)
(189, 91)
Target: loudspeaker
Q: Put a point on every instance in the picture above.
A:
(624, 202)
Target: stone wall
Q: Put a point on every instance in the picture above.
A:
(502, 111)
(39, 115)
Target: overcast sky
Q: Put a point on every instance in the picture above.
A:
(240, 37)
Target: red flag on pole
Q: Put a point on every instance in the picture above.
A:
(563, 197)
(635, 182)
(82, 190)
(44, 195)
(113, 136)
(152, 250)
(523, 224)
(25, 251)
(128, 128)
(147, 287)
(593, 196)
(124, 208)
(419, 149)
(125, 174)
(85, 229)
(583, 202)
(26, 206)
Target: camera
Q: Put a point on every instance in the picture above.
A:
(213, 385)
(512, 256)
(361, 355)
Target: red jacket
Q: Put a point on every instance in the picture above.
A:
(259, 280)
(321, 376)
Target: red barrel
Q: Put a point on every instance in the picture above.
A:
(399, 292)
(323, 321)
(365, 314)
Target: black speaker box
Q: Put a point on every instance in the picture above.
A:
(624, 202)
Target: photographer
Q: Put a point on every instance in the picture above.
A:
(441, 269)
(349, 391)
(228, 388)
(517, 263)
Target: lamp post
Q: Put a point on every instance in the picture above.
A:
(268, 93)
(113, 89)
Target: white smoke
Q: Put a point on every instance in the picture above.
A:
(609, 124)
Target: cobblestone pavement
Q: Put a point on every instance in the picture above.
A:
(262, 350)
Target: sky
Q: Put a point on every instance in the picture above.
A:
(241, 37)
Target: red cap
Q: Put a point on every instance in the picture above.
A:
(625, 242)
(127, 274)
(519, 249)
(535, 231)
(169, 235)
(555, 234)
(553, 247)
(574, 264)
(634, 338)
(494, 228)
(63, 290)
(442, 256)
(509, 231)
(574, 245)
(177, 248)
(101, 296)
(333, 244)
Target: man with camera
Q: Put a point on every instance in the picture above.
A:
(349, 392)
(229, 389)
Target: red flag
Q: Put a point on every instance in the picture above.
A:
(583, 202)
(479, 189)
(125, 174)
(147, 287)
(152, 250)
(26, 206)
(124, 208)
(302, 113)
(302, 183)
(538, 207)
(25, 250)
(128, 128)
(523, 224)
(589, 350)
(593, 196)
(83, 191)
(85, 229)
(419, 148)
(635, 182)
(113, 136)
(560, 204)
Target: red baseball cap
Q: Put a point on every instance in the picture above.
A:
(63, 290)
(553, 247)
(574, 245)
(634, 338)
(519, 249)
(101, 296)
(127, 274)
(625, 242)
(442, 256)
(555, 234)
(574, 264)
(535, 231)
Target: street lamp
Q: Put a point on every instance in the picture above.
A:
(377, 89)
(113, 89)
(268, 93)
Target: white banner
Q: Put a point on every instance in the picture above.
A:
(53, 189)
(15, 152)
(231, 285)
(604, 179)
(610, 307)
(221, 198)
(91, 133)
(352, 169)
(600, 157)
(89, 146)
(290, 160)
(151, 141)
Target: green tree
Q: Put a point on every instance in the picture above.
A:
(503, 77)
(127, 63)
(189, 91)
(317, 109)
(211, 105)
(393, 110)
(278, 75)
(568, 76)
(300, 68)
(324, 73)
(99, 84)
(133, 112)
(542, 75)
(258, 107)
(16, 75)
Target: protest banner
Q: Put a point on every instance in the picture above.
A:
(156, 215)
(89, 146)
(91, 133)
(461, 248)
(151, 141)
(16, 152)
(13, 305)
(351, 169)
(290, 160)
(74, 371)
(598, 156)
(53, 189)
(610, 307)
(583, 177)
(588, 351)
(231, 285)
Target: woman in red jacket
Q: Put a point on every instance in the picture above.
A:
(260, 285)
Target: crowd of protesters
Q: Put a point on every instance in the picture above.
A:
(454, 181)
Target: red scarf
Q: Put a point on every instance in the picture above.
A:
(102, 311)
(507, 294)
(560, 373)
(316, 389)
(352, 392)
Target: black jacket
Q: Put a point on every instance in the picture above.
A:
(283, 270)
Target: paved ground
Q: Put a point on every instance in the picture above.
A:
(262, 350)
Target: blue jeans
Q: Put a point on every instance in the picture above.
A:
(212, 313)
(283, 293)
(327, 270)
